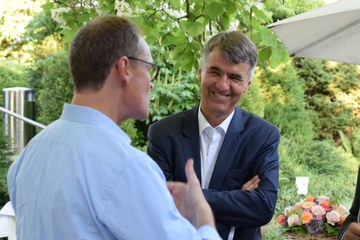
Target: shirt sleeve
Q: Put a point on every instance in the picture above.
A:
(138, 205)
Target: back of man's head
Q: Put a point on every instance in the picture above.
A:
(97, 46)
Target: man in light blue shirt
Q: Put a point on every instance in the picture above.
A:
(80, 178)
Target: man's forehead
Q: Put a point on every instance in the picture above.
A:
(144, 48)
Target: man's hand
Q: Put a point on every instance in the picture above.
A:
(189, 199)
(252, 184)
(353, 232)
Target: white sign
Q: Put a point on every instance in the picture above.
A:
(302, 184)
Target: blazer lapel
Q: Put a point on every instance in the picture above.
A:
(226, 157)
(191, 139)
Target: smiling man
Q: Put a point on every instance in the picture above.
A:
(232, 149)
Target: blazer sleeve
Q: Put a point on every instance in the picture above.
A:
(354, 210)
(255, 208)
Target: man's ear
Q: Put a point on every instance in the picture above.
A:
(247, 86)
(123, 69)
(199, 74)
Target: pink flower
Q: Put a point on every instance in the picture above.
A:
(318, 211)
(332, 217)
(343, 210)
(322, 199)
(288, 211)
(293, 220)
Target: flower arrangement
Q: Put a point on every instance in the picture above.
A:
(313, 216)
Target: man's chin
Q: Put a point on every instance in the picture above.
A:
(142, 116)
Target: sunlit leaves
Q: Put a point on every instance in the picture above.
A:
(194, 28)
(181, 27)
(214, 9)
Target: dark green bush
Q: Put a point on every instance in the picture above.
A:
(285, 107)
(323, 157)
(174, 92)
(5, 161)
(51, 79)
(332, 96)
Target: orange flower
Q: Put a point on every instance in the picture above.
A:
(326, 205)
(309, 199)
(308, 205)
(342, 219)
(281, 219)
(306, 217)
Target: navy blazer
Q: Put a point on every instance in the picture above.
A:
(354, 210)
(250, 148)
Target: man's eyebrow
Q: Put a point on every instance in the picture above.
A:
(214, 68)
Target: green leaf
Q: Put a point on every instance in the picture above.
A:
(260, 15)
(173, 39)
(151, 40)
(264, 54)
(268, 38)
(47, 6)
(176, 4)
(230, 8)
(277, 57)
(224, 21)
(179, 49)
(195, 29)
(214, 10)
(107, 9)
(183, 25)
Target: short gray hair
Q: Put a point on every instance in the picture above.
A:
(235, 47)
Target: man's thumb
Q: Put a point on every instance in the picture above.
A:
(190, 172)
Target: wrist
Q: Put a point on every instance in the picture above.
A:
(203, 216)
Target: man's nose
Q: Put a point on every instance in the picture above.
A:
(223, 82)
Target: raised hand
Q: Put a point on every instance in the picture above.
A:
(189, 198)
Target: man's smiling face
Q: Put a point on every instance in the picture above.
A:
(222, 84)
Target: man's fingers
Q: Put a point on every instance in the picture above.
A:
(251, 184)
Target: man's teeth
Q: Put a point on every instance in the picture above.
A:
(221, 95)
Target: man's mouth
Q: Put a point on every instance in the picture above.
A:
(222, 95)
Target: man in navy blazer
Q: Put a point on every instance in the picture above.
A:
(229, 145)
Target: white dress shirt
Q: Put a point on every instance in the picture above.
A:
(211, 140)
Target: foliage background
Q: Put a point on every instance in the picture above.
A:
(314, 103)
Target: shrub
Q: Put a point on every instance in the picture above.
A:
(12, 74)
(253, 100)
(51, 79)
(5, 154)
(285, 106)
(332, 96)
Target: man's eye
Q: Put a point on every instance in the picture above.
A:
(214, 73)
(236, 78)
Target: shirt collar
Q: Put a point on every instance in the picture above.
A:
(87, 115)
(203, 123)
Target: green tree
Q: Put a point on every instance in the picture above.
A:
(14, 18)
(285, 102)
(332, 94)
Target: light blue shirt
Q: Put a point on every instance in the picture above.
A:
(81, 179)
